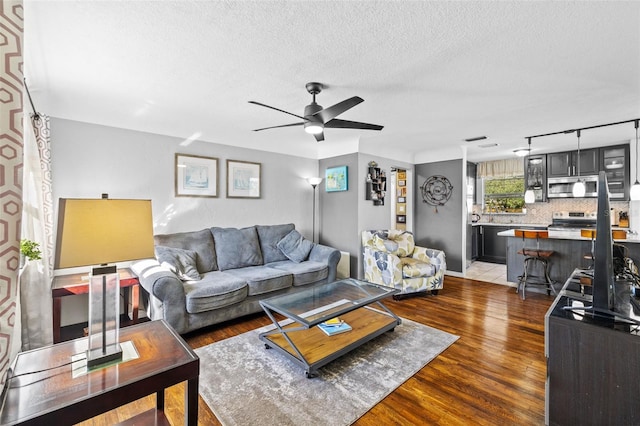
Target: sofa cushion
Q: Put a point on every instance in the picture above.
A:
(303, 273)
(181, 262)
(269, 236)
(262, 279)
(237, 248)
(199, 241)
(295, 246)
(215, 290)
(414, 268)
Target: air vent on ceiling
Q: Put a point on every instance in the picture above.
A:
(477, 138)
(487, 145)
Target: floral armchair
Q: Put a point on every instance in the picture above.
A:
(392, 259)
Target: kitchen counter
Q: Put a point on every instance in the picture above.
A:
(629, 239)
(568, 254)
(515, 225)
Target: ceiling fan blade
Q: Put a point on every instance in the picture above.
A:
(277, 109)
(275, 127)
(346, 124)
(319, 137)
(337, 109)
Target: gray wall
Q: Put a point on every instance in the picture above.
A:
(442, 230)
(339, 210)
(346, 214)
(89, 159)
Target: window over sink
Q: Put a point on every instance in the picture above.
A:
(503, 195)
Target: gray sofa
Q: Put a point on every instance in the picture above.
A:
(206, 277)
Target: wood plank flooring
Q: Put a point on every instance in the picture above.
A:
(493, 375)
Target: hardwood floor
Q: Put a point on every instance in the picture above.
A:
(494, 374)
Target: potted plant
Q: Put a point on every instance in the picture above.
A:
(29, 250)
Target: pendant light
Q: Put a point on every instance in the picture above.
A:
(579, 188)
(634, 193)
(529, 195)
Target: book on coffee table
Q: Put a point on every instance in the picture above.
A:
(331, 329)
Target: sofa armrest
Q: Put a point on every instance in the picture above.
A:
(328, 255)
(432, 256)
(166, 288)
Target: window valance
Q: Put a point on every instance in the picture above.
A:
(501, 169)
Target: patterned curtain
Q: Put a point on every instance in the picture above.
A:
(11, 158)
(37, 225)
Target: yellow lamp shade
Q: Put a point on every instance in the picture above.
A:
(101, 231)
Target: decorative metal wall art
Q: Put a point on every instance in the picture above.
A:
(436, 191)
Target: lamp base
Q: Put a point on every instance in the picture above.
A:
(98, 356)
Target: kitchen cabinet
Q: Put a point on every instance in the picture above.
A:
(492, 248)
(614, 161)
(562, 164)
(475, 242)
(535, 167)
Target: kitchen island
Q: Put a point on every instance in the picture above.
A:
(569, 254)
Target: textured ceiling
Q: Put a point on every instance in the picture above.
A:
(433, 73)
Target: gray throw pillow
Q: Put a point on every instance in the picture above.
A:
(295, 246)
(181, 262)
(237, 248)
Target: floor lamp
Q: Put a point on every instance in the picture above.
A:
(314, 181)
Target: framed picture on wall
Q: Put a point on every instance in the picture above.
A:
(336, 179)
(243, 179)
(402, 199)
(401, 219)
(196, 176)
(402, 183)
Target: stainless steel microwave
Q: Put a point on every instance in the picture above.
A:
(562, 187)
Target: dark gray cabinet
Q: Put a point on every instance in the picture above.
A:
(562, 164)
(535, 168)
(475, 242)
(492, 248)
(614, 161)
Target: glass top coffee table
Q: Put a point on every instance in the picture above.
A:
(298, 336)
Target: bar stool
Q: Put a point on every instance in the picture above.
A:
(589, 233)
(533, 256)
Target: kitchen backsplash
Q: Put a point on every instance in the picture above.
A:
(541, 213)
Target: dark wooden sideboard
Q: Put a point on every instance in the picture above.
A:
(593, 366)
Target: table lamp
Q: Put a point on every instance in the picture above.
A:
(97, 233)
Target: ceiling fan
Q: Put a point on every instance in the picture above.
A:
(316, 118)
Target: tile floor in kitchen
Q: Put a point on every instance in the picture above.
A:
(491, 272)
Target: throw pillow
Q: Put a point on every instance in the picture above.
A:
(237, 248)
(181, 262)
(295, 246)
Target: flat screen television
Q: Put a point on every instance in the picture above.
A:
(603, 285)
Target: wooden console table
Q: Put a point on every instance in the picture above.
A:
(74, 284)
(46, 387)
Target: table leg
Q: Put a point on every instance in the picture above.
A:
(135, 301)
(160, 400)
(57, 306)
(191, 402)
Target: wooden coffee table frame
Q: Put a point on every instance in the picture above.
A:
(44, 389)
(311, 348)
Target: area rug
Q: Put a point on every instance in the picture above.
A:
(245, 384)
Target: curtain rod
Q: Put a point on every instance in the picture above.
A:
(36, 114)
(583, 128)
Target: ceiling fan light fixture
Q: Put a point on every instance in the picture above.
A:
(313, 128)
(521, 152)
